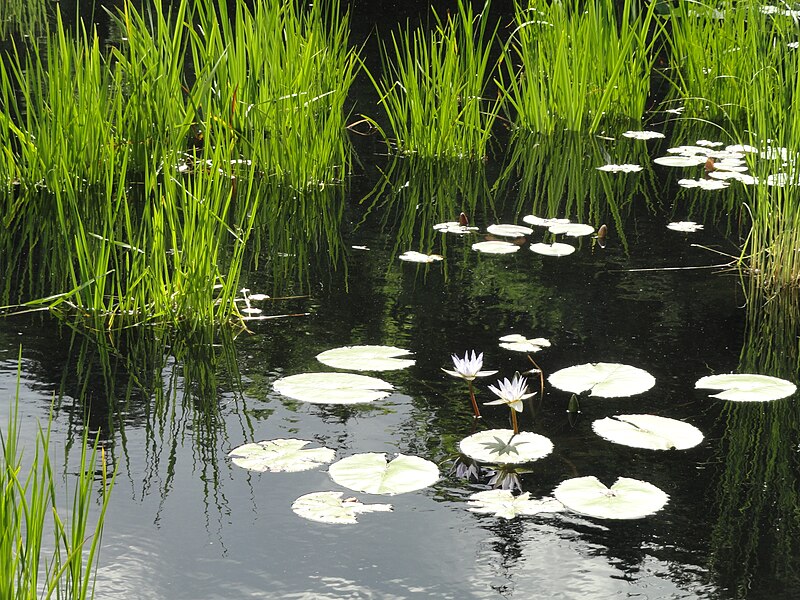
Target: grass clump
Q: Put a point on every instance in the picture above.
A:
(29, 569)
(578, 65)
(433, 86)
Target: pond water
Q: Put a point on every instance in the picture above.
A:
(185, 523)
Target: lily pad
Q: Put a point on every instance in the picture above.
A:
(554, 249)
(606, 380)
(365, 358)
(511, 231)
(624, 168)
(503, 503)
(704, 184)
(329, 507)
(371, 473)
(571, 229)
(643, 135)
(332, 388)
(501, 446)
(626, 499)
(519, 343)
(419, 257)
(540, 222)
(685, 226)
(495, 247)
(680, 161)
(648, 431)
(282, 454)
(454, 227)
(745, 387)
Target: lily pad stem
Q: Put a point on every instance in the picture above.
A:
(474, 402)
(514, 421)
(541, 377)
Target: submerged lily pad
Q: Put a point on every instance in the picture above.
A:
(495, 247)
(503, 503)
(511, 231)
(282, 454)
(571, 229)
(648, 431)
(332, 388)
(329, 507)
(365, 358)
(746, 387)
(607, 380)
(419, 257)
(371, 473)
(554, 249)
(501, 446)
(626, 499)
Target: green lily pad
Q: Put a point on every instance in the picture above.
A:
(283, 454)
(607, 380)
(626, 499)
(371, 473)
(365, 358)
(332, 388)
(745, 387)
(501, 446)
(648, 431)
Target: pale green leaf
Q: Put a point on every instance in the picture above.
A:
(283, 454)
(329, 507)
(527, 446)
(503, 503)
(607, 380)
(626, 499)
(745, 387)
(648, 431)
(332, 388)
(370, 472)
(365, 358)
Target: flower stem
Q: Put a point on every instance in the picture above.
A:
(474, 402)
(514, 421)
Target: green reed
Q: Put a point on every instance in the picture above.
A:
(31, 567)
(25, 17)
(433, 86)
(578, 65)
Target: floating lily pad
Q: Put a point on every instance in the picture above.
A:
(643, 135)
(454, 227)
(519, 343)
(626, 499)
(744, 178)
(685, 226)
(746, 387)
(607, 380)
(503, 503)
(511, 231)
(283, 454)
(540, 222)
(495, 247)
(329, 507)
(571, 229)
(332, 388)
(554, 249)
(365, 358)
(419, 257)
(680, 161)
(501, 446)
(624, 168)
(709, 144)
(704, 184)
(371, 473)
(648, 431)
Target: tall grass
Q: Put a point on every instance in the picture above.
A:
(22, 16)
(29, 569)
(433, 86)
(578, 65)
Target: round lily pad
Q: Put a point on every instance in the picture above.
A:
(329, 507)
(419, 257)
(541, 222)
(571, 229)
(332, 388)
(680, 161)
(685, 226)
(283, 454)
(555, 249)
(607, 380)
(626, 499)
(623, 168)
(648, 431)
(511, 231)
(503, 503)
(371, 473)
(643, 135)
(519, 343)
(365, 358)
(501, 446)
(495, 247)
(745, 387)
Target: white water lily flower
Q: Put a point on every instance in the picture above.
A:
(511, 392)
(643, 135)
(469, 367)
(685, 226)
(519, 343)
(420, 257)
(623, 168)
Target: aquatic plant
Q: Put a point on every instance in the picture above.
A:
(578, 65)
(28, 499)
(512, 393)
(468, 368)
(433, 86)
